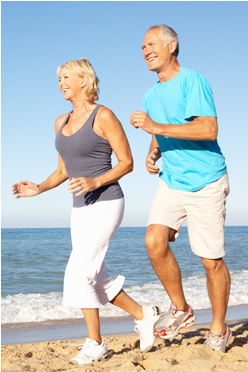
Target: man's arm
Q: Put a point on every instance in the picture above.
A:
(201, 128)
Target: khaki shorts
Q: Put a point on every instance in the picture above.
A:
(204, 209)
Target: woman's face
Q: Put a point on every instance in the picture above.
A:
(70, 84)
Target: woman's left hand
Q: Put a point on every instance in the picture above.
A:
(82, 185)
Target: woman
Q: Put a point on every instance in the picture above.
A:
(85, 139)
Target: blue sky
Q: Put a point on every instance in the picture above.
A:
(38, 36)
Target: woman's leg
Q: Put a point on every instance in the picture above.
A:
(94, 349)
(87, 283)
(123, 301)
(146, 317)
(93, 324)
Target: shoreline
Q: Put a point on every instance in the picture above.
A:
(69, 329)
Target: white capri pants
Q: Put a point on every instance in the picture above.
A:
(87, 283)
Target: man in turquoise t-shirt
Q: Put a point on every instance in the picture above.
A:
(181, 116)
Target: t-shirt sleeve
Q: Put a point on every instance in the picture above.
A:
(145, 100)
(199, 97)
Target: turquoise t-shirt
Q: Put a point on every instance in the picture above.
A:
(187, 165)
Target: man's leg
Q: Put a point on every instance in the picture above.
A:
(164, 263)
(180, 314)
(218, 284)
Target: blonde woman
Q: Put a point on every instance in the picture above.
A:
(85, 139)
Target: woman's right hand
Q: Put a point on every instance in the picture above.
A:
(25, 189)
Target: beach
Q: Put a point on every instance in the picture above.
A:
(37, 331)
(185, 353)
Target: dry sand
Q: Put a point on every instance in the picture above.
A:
(185, 353)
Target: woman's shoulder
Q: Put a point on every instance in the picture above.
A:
(106, 121)
(59, 121)
(105, 115)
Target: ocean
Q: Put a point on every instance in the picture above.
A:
(34, 261)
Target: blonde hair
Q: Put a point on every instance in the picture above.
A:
(83, 68)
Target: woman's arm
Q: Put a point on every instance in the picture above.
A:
(111, 129)
(28, 189)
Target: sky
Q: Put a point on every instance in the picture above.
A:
(39, 36)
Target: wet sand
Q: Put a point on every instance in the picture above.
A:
(51, 330)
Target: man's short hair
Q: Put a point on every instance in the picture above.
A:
(167, 34)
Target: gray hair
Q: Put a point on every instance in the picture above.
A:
(167, 34)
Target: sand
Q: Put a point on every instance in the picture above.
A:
(185, 353)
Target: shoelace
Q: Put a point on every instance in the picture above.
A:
(80, 347)
(216, 339)
(167, 318)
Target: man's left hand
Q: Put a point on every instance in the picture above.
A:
(142, 120)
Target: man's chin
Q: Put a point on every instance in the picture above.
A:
(152, 69)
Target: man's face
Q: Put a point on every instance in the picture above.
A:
(155, 53)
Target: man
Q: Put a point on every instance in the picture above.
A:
(180, 115)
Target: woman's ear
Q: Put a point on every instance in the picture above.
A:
(84, 82)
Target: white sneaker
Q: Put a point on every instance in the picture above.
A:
(90, 352)
(145, 327)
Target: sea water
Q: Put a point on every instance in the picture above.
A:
(34, 261)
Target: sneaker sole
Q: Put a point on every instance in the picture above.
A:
(103, 359)
(228, 339)
(186, 324)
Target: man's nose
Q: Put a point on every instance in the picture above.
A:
(147, 52)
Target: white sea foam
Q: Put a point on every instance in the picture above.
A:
(41, 307)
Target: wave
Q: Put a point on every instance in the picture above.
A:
(35, 307)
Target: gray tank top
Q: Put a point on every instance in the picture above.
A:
(86, 154)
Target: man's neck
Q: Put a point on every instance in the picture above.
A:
(169, 72)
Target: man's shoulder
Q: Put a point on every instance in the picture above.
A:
(190, 74)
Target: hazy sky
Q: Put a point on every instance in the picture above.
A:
(38, 36)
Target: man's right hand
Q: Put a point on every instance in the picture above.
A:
(151, 159)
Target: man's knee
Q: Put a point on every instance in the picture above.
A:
(212, 265)
(157, 238)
